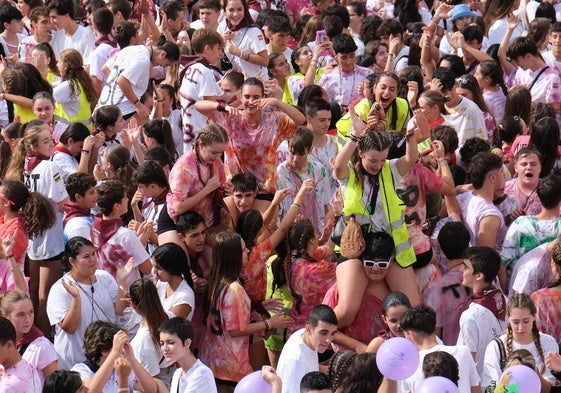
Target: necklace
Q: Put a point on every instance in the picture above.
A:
(91, 297)
(341, 95)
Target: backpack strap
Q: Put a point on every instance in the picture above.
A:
(502, 352)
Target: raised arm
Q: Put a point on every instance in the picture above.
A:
(295, 115)
(341, 165)
(506, 65)
(291, 214)
(405, 163)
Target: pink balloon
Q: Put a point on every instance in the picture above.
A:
(437, 385)
(527, 379)
(253, 383)
(397, 358)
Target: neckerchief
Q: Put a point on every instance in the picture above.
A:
(102, 230)
(63, 149)
(243, 23)
(72, 210)
(492, 299)
(33, 334)
(105, 39)
(31, 161)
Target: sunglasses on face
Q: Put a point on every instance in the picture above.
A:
(378, 264)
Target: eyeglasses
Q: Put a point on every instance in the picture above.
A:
(378, 264)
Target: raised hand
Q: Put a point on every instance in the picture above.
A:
(70, 288)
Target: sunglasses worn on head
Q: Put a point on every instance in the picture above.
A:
(378, 264)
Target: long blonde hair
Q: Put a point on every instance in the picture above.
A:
(30, 139)
(523, 301)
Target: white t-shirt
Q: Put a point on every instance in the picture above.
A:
(468, 121)
(478, 327)
(46, 180)
(26, 45)
(112, 385)
(498, 30)
(532, 271)
(123, 245)
(132, 63)
(148, 354)
(492, 369)
(7, 47)
(69, 101)
(40, 353)
(66, 163)
(20, 378)
(467, 371)
(183, 295)
(198, 82)
(197, 379)
(248, 39)
(474, 209)
(83, 40)
(78, 226)
(175, 122)
(100, 306)
(98, 57)
(296, 360)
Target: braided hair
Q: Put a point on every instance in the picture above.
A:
(339, 366)
(524, 301)
(373, 140)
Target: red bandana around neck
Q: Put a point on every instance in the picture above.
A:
(62, 149)
(33, 334)
(492, 299)
(103, 230)
(242, 24)
(32, 159)
(105, 39)
(72, 210)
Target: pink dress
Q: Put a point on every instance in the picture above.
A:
(227, 356)
(310, 280)
(185, 181)
(368, 321)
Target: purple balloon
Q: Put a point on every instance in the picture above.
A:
(527, 379)
(437, 385)
(397, 358)
(253, 383)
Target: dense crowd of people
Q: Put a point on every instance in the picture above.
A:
(194, 191)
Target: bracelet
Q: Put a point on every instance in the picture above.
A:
(354, 138)
(136, 102)
(391, 54)
(162, 100)
(9, 256)
(314, 61)
(443, 160)
(296, 204)
(86, 151)
(221, 107)
(267, 324)
(428, 44)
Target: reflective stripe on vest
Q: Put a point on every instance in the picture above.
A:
(394, 210)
